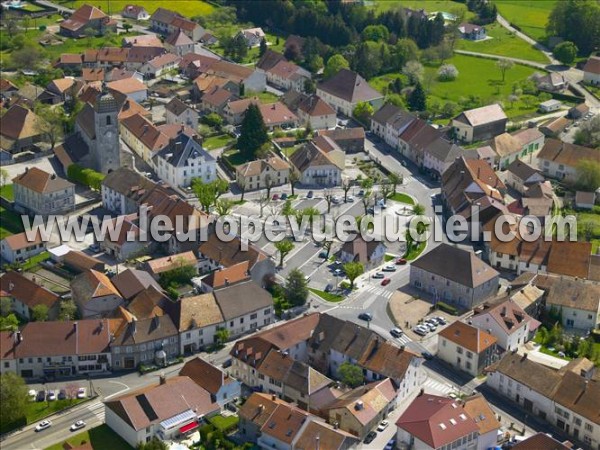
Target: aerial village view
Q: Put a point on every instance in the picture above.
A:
(300, 224)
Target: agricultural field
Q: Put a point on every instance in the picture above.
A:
(187, 8)
(531, 16)
(503, 43)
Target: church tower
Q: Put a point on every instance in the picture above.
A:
(107, 151)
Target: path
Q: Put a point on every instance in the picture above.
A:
(524, 62)
(502, 21)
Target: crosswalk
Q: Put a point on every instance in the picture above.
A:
(97, 409)
(380, 292)
(432, 386)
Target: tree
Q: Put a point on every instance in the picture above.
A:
(235, 47)
(504, 65)
(294, 178)
(565, 52)
(205, 193)
(10, 23)
(39, 313)
(221, 335)
(288, 209)
(334, 65)
(447, 72)
(50, 123)
(68, 309)
(9, 323)
(296, 288)
(28, 57)
(417, 99)
(375, 33)
(241, 182)
(13, 398)
(395, 179)
(353, 270)
(588, 134)
(292, 52)
(414, 71)
(351, 374)
(577, 21)
(346, 186)
(588, 174)
(366, 199)
(154, 444)
(263, 200)
(268, 184)
(363, 111)
(385, 188)
(253, 132)
(213, 120)
(263, 47)
(5, 306)
(223, 206)
(284, 247)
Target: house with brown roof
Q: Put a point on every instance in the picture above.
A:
(273, 423)
(477, 407)
(480, 123)
(432, 422)
(91, 74)
(158, 266)
(277, 115)
(25, 294)
(79, 262)
(558, 159)
(369, 254)
(225, 276)
(142, 136)
(271, 171)
(520, 176)
(18, 129)
(65, 89)
(142, 40)
(58, 349)
(179, 43)
(350, 140)
(591, 71)
(84, 18)
(316, 166)
(454, 275)
(216, 99)
(95, 295)
(316, 113)
(135, 12)
(554, 126)
(38, 192)
(131, 87)
(567, 398)
(7, 88)
(519, 145)
(18, 248)
(286, 75)
(69, 62)
(360, 410)
(235, 110)
(167, 411)
(131, 282)
(467, 348)
(471, 31)
(344, 90)
(178, 112)
(506, 321)
(542, 440)
(577, 301)
(160, 65)
(123, 189)
(126, 243)
(223, 388)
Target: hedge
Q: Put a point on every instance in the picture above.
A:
(447, 308)
(87, 177)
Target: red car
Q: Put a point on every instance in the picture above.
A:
(401, 261)
(385, 281)
(275, 196)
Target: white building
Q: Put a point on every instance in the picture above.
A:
(17, 248)
(223, 388)
(39, 192)
(178, 112)
(591, 71)
(346, 89)
(558, 159)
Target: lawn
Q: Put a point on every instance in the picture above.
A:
(223, 423)
(235, 157)
(35, 260)
(10, 223)
(531, 16)
(402, 198)
(415, 251)
(101, 437)
(588, 217)
(35, 411)
(480, 77)
(6, 191)
(503, 43)
(275, 43)
(184, 7)
(429, 6)
(264, 97)
(217, 141)
(327, 296)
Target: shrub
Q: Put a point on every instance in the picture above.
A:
(447, 72)
(87, 177)
(447, 308)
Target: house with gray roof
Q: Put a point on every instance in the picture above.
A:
(344, 90)
(123, 189)
(177, 112)
(480, 123)
(453, 275)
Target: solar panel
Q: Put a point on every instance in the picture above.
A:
(178, 419)
(146, 407)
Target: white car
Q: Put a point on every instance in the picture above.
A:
(383, 425)
(43, 425)
(32, 394)
(78, 425)
(350, 199)
(51, 396)
(389, 268)
(81, 392)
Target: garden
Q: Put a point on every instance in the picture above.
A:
(101, 437)
(555, 342)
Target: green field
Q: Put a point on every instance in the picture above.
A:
(101, 437)
(429, 5)
(223, 423)
(217, 141)
(503, 43)
(327, 296)
(10, 223)
(186, 8)
(36, 411)
(529, 15)
(6, 191)
(480, 77)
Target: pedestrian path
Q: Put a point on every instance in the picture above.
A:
(379, 291)
(97, 409)
(432, 386)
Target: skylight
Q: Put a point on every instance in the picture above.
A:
(442, 426)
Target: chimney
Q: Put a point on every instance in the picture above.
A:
(145, 128)
(524, 357)
(53, 176)
(273, 397)
(162, 379)
(421, 392)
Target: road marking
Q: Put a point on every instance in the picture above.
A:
(97, 409)
(119, 392)
(437, 386)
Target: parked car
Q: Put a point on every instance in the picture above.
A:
(349, 199)
(440, 320)
(361, 192)
(32, 394)
(335, 200)
(44, 424)
(227, 363)
(396, 332)
(427, 355)
(366, 316)
(95, 248)
(78, 425)
(378, 275)
(385, 281)
(389, 268)
(62, 394)
(310, 194)
(231, 407)
(383, 425)
(338, 272)
(323, 254)
(81, 392)
(421, 331)
(390, 445)
(51, 396)
(401, 261)
(430, 326)
(41, 396)
(284, 196)
(370, 437)
(275, 197)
